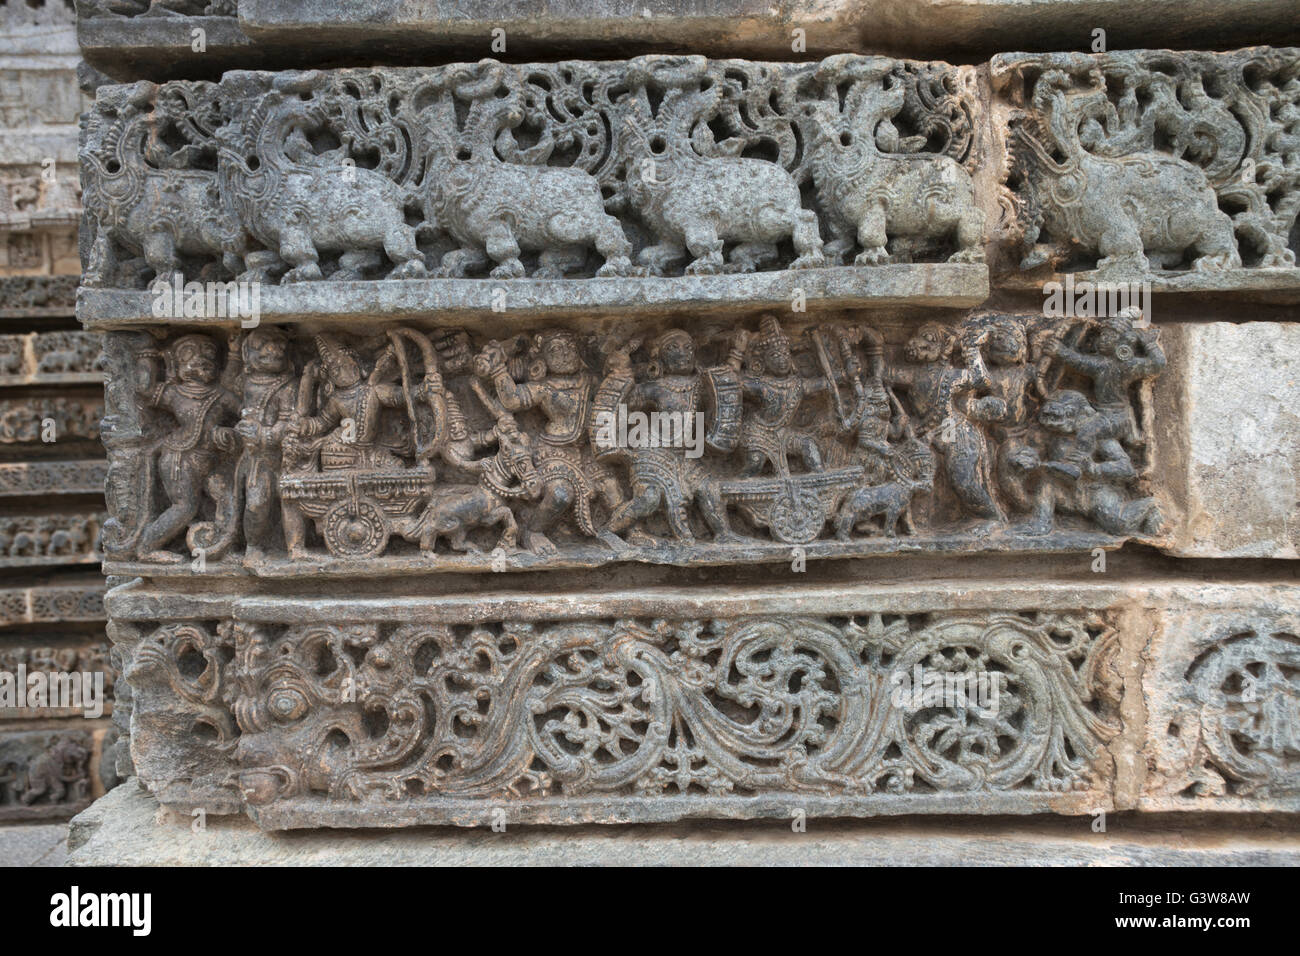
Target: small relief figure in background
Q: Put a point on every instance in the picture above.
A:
(940, 392)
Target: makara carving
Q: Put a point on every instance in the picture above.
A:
(656, 166)
(731, 443)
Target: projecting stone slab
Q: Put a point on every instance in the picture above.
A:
(499, 305)
(126, 45)
(128, 828)
(1228, 446)
(1221, 687)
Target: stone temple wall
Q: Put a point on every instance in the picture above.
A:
(625, 415)
(52, 468)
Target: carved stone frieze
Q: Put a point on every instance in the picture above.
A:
(45, 774)
(656, 166)
(49, 539)
(439, 713)
(39, 358)
(52, 603)
(48, 419)
(1151, 164)
(30, 655)
(1223, 694)
(413, 450)
(37, 296)
(43, 478)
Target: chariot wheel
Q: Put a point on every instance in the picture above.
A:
(797, 516)
(355, 530)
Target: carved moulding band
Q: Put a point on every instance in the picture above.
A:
(735, 177)
(642, 706)
(398, 449)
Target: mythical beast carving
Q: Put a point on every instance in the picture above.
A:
(875, 185)
(300, 202)
(494, 209)
(147, 196)
(697, 202)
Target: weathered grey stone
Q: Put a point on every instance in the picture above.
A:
(127, 828)
(39, 844)
(1100, 149)
(51, 603)
(1221, 688)
(1229, 448)
(50, 358)
(402, 451)
(659, 166)
(289, 33)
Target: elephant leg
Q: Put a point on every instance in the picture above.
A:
(354, 263)
(703, 242)
(457, 262)
(657, 258)
(554, 262)
(873, 235)
(297, 249)
(614, 247)
(807, 239)
(399, 244)
(749, 256)
(970, 237)
(501, 246)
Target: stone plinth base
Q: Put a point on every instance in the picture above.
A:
(127, 828)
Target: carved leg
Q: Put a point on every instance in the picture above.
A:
(557, 499)
(399, 244)
(1218, 248)
(970, 237)
(807, 241)
(847, 518)
(702, 239)
(873, 236)
(1120, 247)
(643, 503)
(838, 248)
(183, 492)
(354, 263)
(748, 256)
(502, 247)
(614, 247)
(553, 263)
(160, 253)
(509, 540)
(714, 508)
(657, 258)
(259, 265)
(297, 249)
(456, 263)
